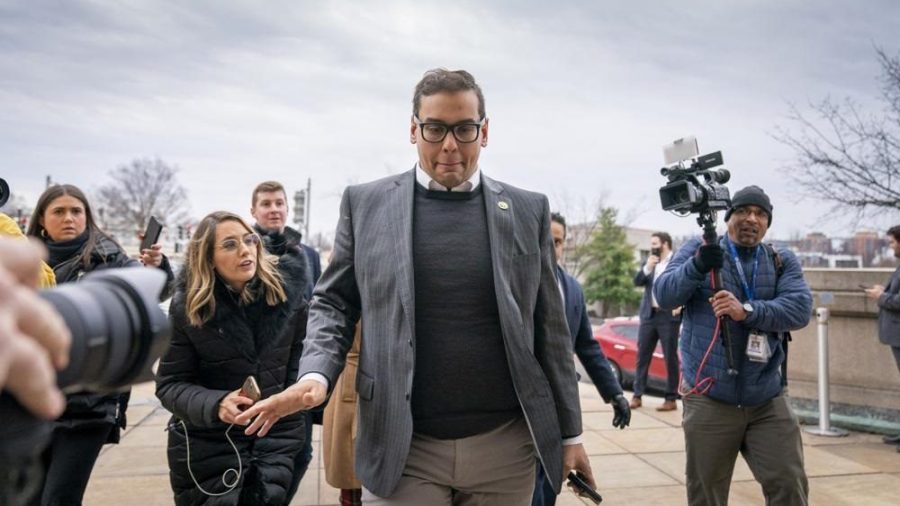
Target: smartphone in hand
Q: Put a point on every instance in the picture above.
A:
(250, 389)
(865, 287)
(151, 234)
(578, 481)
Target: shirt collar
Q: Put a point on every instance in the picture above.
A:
(425, 181)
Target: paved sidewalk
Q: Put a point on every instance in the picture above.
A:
(643, 464)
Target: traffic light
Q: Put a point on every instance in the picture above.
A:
(180, 233)
(300, 208)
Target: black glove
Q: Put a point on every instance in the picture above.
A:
(622, 412)
(709, 257)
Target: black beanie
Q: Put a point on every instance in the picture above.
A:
(750, 196)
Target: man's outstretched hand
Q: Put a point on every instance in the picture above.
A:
(264, 414)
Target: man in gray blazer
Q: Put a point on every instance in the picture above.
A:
(466, 370)
(888, 298)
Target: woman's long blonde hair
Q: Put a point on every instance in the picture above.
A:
(200, 300)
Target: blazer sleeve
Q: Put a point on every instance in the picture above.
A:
(335, 306)
(591, 354)
(641, 279)
(176, 381)
(890, 299)
(552, 342)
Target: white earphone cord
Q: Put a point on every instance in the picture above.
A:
(230, 486)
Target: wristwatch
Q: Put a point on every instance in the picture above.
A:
(748, 308)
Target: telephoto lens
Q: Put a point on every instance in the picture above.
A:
(118, 329)
(118, 333)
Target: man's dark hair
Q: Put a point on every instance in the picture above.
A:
(664, 238)
(894, 232)
(446, 81)
(558, 218)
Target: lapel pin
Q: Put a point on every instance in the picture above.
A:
(503, 205)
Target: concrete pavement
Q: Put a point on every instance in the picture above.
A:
(643, 464)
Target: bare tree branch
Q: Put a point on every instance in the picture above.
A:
(845, 157)
(145, 187)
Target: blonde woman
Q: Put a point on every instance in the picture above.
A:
(237, 312)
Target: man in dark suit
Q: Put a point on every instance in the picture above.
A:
(587, 349)
(466, 371)
(269, 208)
(657, 325)
(889, 311)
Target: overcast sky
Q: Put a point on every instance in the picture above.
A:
(581, 95)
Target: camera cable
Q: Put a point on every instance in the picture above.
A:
(702, 386)
(237, 472)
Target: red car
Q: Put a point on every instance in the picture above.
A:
(618, 338)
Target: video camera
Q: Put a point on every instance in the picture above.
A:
(118, 333)
(696, 187)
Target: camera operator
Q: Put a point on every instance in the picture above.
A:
(765, 296)
(33, 337)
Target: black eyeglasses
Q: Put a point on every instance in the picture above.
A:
(464, 133)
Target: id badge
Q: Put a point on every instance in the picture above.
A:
(758, 347)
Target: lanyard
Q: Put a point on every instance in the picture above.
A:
(749, 289)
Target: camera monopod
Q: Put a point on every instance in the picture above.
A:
(707, 220)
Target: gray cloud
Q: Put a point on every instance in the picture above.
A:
(581, 95)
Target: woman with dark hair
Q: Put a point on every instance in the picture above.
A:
(237, 313)
(63, 221)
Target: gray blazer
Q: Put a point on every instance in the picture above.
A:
(889, 313)
(371, 276)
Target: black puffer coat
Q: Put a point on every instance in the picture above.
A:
(204, 364)
(84, 408)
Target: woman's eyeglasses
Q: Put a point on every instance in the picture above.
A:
(250, 240)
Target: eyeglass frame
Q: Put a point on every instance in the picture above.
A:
(450, 128)
(246, 239)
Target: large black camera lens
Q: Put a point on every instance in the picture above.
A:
(118, 330)
(4, 192)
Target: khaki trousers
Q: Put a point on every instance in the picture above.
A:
(768, 436)
(494, 468)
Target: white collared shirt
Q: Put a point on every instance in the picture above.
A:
(426, 181)
(660, 268)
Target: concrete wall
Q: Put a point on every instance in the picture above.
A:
(862, 370)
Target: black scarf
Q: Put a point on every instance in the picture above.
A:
(275, 242)
(64, 250)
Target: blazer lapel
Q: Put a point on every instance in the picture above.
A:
(400, 204)
(499, 214)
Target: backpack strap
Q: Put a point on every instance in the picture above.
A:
(776, 259)
(779, 270)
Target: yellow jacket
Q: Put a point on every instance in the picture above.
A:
(9, 228)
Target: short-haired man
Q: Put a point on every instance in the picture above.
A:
(466, 371)
(269, 208)
(588, 350)
(888, 298)
(657, 325)
(746, 412)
